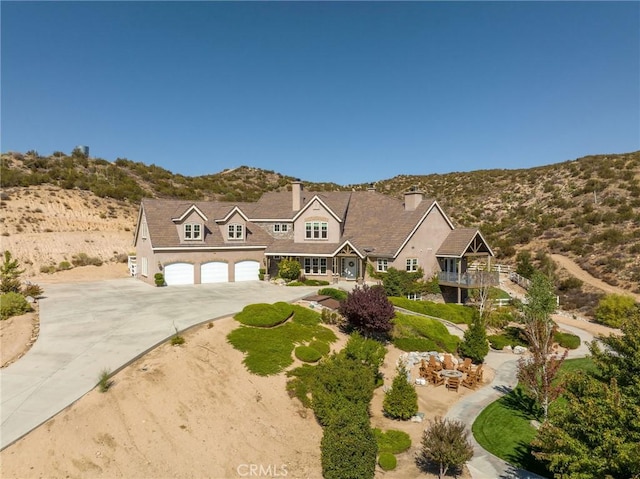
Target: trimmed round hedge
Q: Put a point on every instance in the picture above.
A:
(567, 340)
(263, 315)
(387, 461)
(392, 441)
(320, 346)
(307, 354)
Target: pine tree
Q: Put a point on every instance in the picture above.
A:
(401, 401)
(475, 344)
(10, 274)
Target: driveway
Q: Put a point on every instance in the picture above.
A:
(88, 327)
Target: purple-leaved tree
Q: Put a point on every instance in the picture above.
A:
(368, 310)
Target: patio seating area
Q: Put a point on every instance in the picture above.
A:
(446, 370)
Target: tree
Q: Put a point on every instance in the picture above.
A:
(368, 310)
(10, 274)
(538, 371)
(400, 282)
(614, 308)
(475, 344)
(445, 443)
(524, 266)
(289, 269)
(401, 401)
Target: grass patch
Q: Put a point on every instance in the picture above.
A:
(387, 461)
(504, 427)
(263, 315)
(104, 381)
(268, 351)
(309, 282)
(321, 346)
(392, 441)
(415, 333)
(454, 313)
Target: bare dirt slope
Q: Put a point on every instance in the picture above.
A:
(585, 277)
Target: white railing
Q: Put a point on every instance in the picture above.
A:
(495, 268)
(519, 280)
(470, 279)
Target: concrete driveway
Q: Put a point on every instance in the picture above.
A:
(88, 327)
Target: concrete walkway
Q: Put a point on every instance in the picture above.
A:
(485, 465)
(88, 327)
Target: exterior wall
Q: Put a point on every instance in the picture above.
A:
(424, 243)
(198, 257)
(143, 250)
(268, 227)
(316, 212)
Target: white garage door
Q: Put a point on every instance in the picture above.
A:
(214, 272)
(178, 273)
(247, 270)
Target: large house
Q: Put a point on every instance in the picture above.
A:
(337, 235)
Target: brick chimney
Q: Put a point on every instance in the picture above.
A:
(412, 199)
(296, 194)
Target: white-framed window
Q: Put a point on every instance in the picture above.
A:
(412, 264)
(280, 228)
(315, 266)
(383, 264)
(144, 266)
(316, 230)
(192, 231)
(145, 231)
(235, 231)
(414, 296)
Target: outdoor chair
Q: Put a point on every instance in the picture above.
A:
(465, 367)
(469, 382)
(436, 379)
(448, 362)
(453, 384)
(434, 365)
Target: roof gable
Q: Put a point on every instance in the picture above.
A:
(463, 241)
(193, 208)
(324, 205)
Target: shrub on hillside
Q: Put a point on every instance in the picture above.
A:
(63, 266)
(13, 304)
(83, 259)
(33, 290)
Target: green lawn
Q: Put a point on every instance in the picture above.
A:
(504, 427)
(454, 313)
(417, 333)
(269, 350)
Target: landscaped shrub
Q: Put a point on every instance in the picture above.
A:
(511, 336)
(387, 461)
(348, 445)
(567, 340)
(392, 441)
(320, 346)
(158, 278)
(368, 352)
(368, 310)
(401, 401)
(264, 315)
(13, 304)
(289, 269)
(331, 317)
(308, 282)
(415, 344)
(337, 294)
(307, 354)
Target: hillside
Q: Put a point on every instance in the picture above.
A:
(586, 209)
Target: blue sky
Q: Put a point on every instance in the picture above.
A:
(348, 92)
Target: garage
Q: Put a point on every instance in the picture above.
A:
(247, 271)
(178, 273)
(214, 272)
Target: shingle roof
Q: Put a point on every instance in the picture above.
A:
(163, 232)
(457, 242)
(373, 222)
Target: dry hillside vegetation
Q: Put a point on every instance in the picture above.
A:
(586, 209)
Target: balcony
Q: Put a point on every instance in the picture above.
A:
(469, 279)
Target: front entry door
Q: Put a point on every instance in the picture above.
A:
(350, 267)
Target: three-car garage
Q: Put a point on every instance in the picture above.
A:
(211, 272)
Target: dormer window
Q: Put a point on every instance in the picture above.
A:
(235, 232)
(280, 228)
(192, 231)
